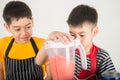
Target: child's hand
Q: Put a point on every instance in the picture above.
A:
(60, 36)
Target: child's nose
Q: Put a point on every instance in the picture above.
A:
(23, 32)
(77, 36)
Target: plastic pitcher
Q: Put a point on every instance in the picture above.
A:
(62, 59)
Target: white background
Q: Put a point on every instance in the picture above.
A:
(51, 15)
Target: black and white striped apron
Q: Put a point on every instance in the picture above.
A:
(25, 69)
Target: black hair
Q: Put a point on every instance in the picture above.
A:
(82, 13)
(16, 10)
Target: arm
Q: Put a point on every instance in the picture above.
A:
(49, 75)
(1, 72)
(41, 57)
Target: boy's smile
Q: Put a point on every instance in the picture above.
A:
(21, 29)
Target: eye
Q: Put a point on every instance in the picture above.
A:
(72, 34)
(17, 29)
(81, 35)
(28, 27)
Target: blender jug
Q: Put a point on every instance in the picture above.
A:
(62, 59)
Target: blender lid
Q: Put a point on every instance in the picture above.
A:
(59, 44)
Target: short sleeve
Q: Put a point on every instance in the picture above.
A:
(1, 54)
(44, 68)
(104, 62)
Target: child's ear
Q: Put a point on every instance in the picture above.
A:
(95, 30)
(7, 27)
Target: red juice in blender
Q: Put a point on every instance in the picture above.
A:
(61, 69)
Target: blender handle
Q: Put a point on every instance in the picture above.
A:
(82, 56)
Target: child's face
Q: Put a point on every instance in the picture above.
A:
(21, 29)
(85, 33)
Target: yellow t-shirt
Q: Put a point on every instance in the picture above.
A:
(19, 51)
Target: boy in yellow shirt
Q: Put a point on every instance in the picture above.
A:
(18, 52)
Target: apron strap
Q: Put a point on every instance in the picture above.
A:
(94, 58)
(9, 47)
(34, 45)
(11, 43)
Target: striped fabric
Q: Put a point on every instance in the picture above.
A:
(25, 69)
(22, 70)
(104, 63)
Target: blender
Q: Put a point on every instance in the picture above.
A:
(62, 58)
